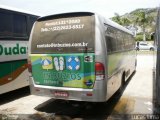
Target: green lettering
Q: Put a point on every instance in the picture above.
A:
(78, 77)
(23, 50)
(73, 76)
(8, 51)
(13, 50)
(54, 75)
(16, 49)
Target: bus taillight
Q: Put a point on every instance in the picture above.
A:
(29, 66)
(100, 71)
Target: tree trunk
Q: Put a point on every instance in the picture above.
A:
(144, 36)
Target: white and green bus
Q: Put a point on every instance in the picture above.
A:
(15, 27)
(80, 56)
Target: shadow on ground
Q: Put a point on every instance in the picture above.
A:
(85, 110)
(13, 95)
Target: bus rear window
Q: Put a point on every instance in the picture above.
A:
(64, 35)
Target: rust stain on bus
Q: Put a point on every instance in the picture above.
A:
(13, 75)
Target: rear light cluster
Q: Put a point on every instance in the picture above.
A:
(100, 71)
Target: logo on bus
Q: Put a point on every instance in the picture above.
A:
(59, 63)
(88, 83)
(73, 63)
(47, 62)
(17, 50)
(88, 59)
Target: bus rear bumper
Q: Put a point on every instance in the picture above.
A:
(77, 94)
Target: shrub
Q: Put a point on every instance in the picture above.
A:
(139, 37)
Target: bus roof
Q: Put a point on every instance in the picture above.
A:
(116, 25)
(18, 10)
(71, 14)
(106, 21)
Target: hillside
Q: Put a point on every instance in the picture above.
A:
(134, 19)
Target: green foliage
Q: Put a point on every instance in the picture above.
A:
(125, 21)
(148, 37)
(137, 16)
(139, 37)
(121, 20)
(117, 18)
(140, 18)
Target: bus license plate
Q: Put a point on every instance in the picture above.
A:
(61, 94)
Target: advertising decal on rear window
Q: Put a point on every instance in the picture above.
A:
(64, 70)
(69, 35)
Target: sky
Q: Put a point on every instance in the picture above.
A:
(106, 8)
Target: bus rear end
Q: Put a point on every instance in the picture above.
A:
(62, 58)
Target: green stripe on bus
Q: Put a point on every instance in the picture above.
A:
(7, 68)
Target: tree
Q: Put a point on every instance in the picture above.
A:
(117, 18)
(121, 20)
(125, 21)
(142, 20)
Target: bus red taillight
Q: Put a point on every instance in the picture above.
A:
(100, 71)
(29, 66)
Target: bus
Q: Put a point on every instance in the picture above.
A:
(15, 27)
(79, 56)
(156, 67)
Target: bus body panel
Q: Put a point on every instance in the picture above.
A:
(13, 50)
(115, 65)
(15, 28)
(13, 60)
(116, 62)
(21, 81)
(119, 64)
(101, 56)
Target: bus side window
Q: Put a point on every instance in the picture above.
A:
(6, 24)
(120, 40)
(109, 44)
(19, 25)
(13, 25)
(126, 42)
(110, 37)
(132, 42)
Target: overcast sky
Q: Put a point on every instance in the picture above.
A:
(104, 7)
